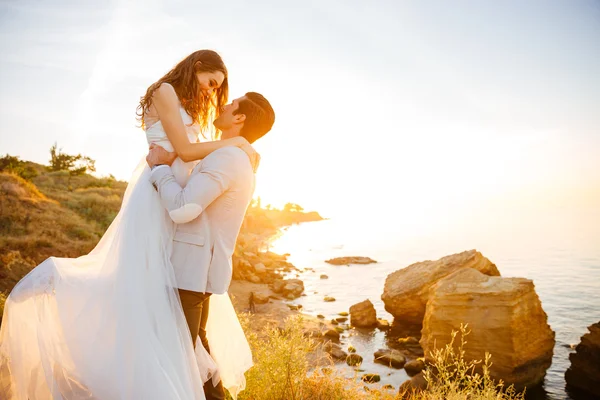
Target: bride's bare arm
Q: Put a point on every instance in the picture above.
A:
(167, 105)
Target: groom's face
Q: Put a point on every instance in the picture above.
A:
(227, 119)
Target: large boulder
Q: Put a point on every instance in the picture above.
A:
(584, 372)
(363, 315)
(505, 318)
(406, 291)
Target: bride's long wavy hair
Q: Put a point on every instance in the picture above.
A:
(203, 109)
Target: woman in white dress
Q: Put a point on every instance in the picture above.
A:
(109, 325)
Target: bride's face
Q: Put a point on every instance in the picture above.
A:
(209, 81)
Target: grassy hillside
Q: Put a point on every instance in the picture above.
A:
(45, 213)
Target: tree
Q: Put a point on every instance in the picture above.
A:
(76, 165)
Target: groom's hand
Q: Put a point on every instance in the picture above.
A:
(159, 155)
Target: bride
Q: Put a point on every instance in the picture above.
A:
(109, 325)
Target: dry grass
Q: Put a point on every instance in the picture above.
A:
(282, 369)
(282, 372)
(453, 377)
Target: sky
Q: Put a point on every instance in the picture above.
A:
(422, 107)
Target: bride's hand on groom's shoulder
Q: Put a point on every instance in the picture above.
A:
(158, 155)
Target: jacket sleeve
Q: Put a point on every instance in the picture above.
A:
(215, 176)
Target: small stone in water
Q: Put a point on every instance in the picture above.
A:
(371, 378)
(354, 360)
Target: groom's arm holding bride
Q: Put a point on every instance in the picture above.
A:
(210, 179)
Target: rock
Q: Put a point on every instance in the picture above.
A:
(320, 316)
(341, 319)
(387, 387)
(294, 307)
(343, 314)
(313, 333)
(335, 350)
(260, 268)
(383, 324)
(332, 334)
(290, 288)
(261, 298)
(410, 341)
(406, 291)
(324, 276)
(277, 285)
(363, 315)
(241, 268)
(584, 372)
(413, 367)
(254, 279)
(334, 322)
(329, 299)
(244, 264)
(411, 347)
(371, 378)
(350, 260)
(354, 359)
(504, 317)
(339, 329)
(390, 357)
(417, 384)
(351, 349)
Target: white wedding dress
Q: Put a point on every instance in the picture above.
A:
(109, 325)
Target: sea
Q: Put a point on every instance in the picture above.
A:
(556, 247)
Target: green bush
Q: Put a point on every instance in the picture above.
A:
(12, 164)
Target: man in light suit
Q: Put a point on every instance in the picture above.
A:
(209, 212)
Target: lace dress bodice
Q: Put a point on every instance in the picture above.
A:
(156, 134)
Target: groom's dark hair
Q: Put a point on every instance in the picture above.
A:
(259, 116)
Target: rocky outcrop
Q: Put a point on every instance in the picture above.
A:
(289, 288)
(584, 372)
(505, 318)
(363, 315)
(351, 260)
(259, 267)
(406, 291)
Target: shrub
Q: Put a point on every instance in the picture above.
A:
(13, 165)
(450, 376)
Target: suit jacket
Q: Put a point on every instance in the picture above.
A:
(209, 213)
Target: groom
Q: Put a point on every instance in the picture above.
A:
(209, 212)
